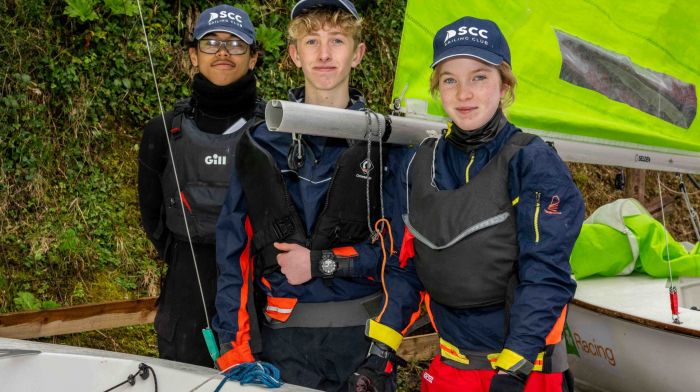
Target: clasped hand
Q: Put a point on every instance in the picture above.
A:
(294, 261)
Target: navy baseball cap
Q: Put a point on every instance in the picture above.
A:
(227, 19)
(305, 5)
(478, 38)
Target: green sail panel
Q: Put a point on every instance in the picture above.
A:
(611, 72)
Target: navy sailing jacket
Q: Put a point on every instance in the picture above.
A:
(549, 213)
(307, 188)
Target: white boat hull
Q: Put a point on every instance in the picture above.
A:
(625, 340)
(65, 368)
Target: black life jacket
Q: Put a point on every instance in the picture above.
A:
(274, 218)
(466, 246)
(204, 162)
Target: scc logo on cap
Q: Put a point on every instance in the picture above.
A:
(464, 30)
(224, 14)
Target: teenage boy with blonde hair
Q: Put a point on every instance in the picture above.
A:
(298, 267)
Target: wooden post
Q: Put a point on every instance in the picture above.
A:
(36, 324)
(419, 348)
(634, 184)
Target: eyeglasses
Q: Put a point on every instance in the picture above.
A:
(212, 46)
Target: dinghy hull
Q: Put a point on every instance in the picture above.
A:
(621, 337)
(30, 366)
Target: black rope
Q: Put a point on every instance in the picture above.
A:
(144, 371)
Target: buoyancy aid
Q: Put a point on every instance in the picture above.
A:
(274, 218)
(467, 248)
(203, 162)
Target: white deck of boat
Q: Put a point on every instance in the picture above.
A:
(642, 297)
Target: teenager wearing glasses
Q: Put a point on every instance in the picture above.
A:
(201, 131)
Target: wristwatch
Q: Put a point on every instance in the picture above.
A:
(328, 264)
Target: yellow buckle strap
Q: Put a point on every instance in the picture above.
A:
(383, 334)
(511, 361)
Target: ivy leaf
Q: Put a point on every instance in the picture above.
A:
(81, 9)
(269, 37)
(122, 7)
(27, 301)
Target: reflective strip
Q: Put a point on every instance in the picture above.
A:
(539, 362)
(486, 223)
(383, 334)
(556, 362)
(280, 308)
(449, 351)
(510, 360)
(516, 200)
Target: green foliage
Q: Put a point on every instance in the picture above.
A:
(270, 38)
(76, 93)
(27, 301)
(122, 7)
(81, 9)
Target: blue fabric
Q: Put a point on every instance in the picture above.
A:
(253, 373)
(308, 189)
(543, 267)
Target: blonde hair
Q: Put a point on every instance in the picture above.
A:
(508, 81)
(318, 18)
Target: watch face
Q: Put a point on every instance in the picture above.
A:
(328, 266)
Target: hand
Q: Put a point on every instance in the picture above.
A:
(376, 374)
(295, 262)
(504, 382)
(372, 376)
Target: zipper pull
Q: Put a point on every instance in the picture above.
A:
(469, 165)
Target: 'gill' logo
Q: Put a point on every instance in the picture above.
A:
(215, 159)
(464, 30)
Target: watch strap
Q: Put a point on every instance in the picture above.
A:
(344, 264)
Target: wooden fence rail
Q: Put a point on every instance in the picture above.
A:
(73, 319)
(82, 318)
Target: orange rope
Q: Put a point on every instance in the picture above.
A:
(384, 258)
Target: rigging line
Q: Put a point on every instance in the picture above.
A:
(368, 135)
(378, 131)
(675, 192)
(672, 287)
(172, 159)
